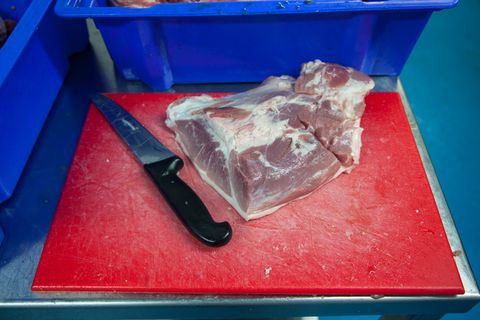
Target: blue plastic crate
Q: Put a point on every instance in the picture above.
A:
(248, 41)
(33, 64)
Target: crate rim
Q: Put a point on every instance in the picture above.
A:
(87, 9)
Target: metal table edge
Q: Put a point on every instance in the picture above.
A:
(234, 307)
(460, 257)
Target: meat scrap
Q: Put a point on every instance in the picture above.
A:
(6, 28)
(268, 146)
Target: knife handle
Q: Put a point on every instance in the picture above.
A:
(186, 204)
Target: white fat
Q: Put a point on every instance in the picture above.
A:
(316, 80)
(300, 147)
(276, 171)
(257, 130)
(186, 107)
(356, 145)
(304, 100)
(262, 212)
(285, 84)
(311, 66)
(348, 97)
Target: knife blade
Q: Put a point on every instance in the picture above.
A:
(163, 165)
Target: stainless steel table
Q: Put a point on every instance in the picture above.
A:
(26, 219)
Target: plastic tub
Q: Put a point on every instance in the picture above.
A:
(248, 41)
(33, 64)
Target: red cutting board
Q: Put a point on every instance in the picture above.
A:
(374, 231)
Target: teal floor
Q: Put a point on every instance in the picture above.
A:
(442, 81)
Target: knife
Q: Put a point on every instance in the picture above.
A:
(163, 165)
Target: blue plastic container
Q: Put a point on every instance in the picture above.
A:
(33, 64)
(248, 41)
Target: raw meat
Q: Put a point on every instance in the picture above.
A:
(265, 147)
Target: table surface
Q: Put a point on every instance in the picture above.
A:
(26, 219)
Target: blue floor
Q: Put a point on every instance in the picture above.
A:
(442, 83)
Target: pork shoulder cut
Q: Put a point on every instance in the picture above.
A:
(268, 146)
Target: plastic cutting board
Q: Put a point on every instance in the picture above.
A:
(374, 231)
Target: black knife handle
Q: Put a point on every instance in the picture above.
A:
(186, 204)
